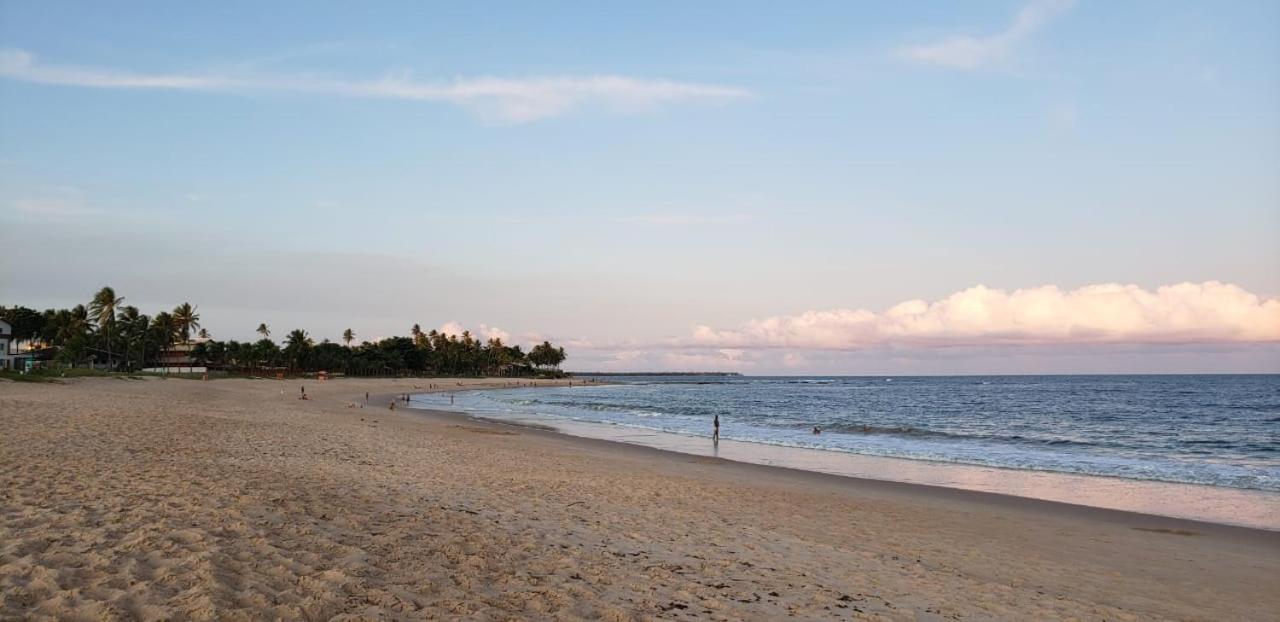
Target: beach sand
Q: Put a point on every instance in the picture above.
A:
(234, 499)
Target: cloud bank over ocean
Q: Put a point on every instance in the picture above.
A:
(1185, 313)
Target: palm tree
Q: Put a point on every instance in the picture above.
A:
(546, 355)
(264, 331)
(133, 326)
(103, 310)
(203, 334)
(185, 319)
(295, 345)
(297, 338)
(265, 352)
(163, 328)
(75, 324)
(348, 336)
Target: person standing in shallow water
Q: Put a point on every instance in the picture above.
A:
(715, 429)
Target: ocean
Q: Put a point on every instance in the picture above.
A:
(1215, 430)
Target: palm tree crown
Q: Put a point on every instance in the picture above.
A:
(264, 331)
(103, 307)
(186, 319)
(133, 327)
(165, 328)
(348, 336)
(297, 339)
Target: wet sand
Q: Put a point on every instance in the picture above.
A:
(233, 499)
(1212, 504)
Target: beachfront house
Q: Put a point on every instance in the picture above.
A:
(6, 344)
(22, 354)
(179, 359)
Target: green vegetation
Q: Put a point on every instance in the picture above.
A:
(545, 355)
(109, 333)
(7, 374)
(51, 375)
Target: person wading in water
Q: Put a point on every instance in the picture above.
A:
(715, 432)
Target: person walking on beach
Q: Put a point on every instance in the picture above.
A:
(715, 431)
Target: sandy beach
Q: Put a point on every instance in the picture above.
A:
(233, 499)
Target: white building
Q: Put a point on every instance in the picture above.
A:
(6, 345)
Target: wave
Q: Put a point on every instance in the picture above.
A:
(638, 410)
(1069, 427)
(863, 428)
(1079, 464)
(925, 433)
(581, 410)
(667, 382)
(1217, 475)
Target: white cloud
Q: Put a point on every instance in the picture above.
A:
(510, 100)
(1186, 313)
(452, 328)
(493, 332)
(969, 52)
(485, 332)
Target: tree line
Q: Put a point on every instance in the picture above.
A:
(108, 331)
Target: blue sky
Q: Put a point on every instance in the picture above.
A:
(619, 176)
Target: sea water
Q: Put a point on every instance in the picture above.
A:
(1219, 431)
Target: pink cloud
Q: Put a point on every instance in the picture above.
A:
(485, 332)
(452, 328)
(720, 360)
(1186, 313)
(493, 332)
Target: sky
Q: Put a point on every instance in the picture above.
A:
(1028, 186)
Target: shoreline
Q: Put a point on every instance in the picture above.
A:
(1201, 503)
(1156, 522)
(235, 499)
